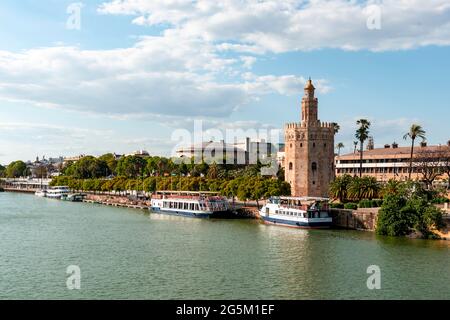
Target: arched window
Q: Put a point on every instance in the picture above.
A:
(290, 165)
(314, 166)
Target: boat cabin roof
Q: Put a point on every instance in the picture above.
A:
(190, 193)
(306, 199)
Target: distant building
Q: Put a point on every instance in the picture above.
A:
(309, 152)
(246, 152)
(41, 168)
(390, 162)
(139, 153)
(73, 159)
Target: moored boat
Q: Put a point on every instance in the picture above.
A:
(74, 197)
(41, 193)
(190, 204)
(57, 192)
(297, 212)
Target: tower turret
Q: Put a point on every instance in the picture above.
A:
(309, 105)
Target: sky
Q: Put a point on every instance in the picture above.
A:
(93, 77)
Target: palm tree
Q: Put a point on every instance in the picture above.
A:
(355, 144)
(370, 188)
(339, 187)
(362, 134)
(336, 127)
(339, 147)
(416, 131)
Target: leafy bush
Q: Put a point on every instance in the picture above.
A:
(351, 206)
(378, 203)
(337, 205)
(440, 200)
(366, 204)
(408, 211)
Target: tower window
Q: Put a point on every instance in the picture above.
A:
(314, 145)
(290, 165)
(314, 166)
(301, 145)
(324, 145)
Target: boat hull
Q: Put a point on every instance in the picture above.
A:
(297, 224)
(189, 214)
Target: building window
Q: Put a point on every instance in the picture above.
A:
(290, 165)
(314, 166)
(301, 145)
(324, 145)
(314, 145)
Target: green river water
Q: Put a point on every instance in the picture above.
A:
(132, 254)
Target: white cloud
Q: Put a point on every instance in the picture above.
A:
(290, 25)
(158, 75)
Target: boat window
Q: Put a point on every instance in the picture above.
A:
(196, 207)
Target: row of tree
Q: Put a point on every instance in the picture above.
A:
(137, 166)
(253, 188)
(347, 188)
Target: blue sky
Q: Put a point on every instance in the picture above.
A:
(136, 71)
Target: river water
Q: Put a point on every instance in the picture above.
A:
(131, 254)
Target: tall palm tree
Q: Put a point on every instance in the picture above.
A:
(340, 146)
(355, 144)
(416, 131)
(336, 127)
(362, 134)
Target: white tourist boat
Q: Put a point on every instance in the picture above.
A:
(297, 212)
(190, 204)
(57, 192)
(41, 193)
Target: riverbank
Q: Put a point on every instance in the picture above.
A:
(239, 210)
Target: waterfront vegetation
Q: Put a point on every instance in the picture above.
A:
(152, 174)
(406, 206)
(410, 209)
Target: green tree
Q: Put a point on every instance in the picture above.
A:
(213, 171)
(416, 131)
(392, 187)
(110, 161)
(131, 166)
(370, 188)
(339, 187)
(362, 134)
(336, 127)
(339, 147)
(17, 169)
(407, 211)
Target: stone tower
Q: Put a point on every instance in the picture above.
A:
(309, 150)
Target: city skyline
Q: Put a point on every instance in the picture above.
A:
(129, 73)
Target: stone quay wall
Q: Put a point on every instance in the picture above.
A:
(361, 219)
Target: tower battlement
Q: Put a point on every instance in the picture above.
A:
(304, 124)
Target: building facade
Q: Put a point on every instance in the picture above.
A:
(393, 162)
(239, 153)
(309, 150)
